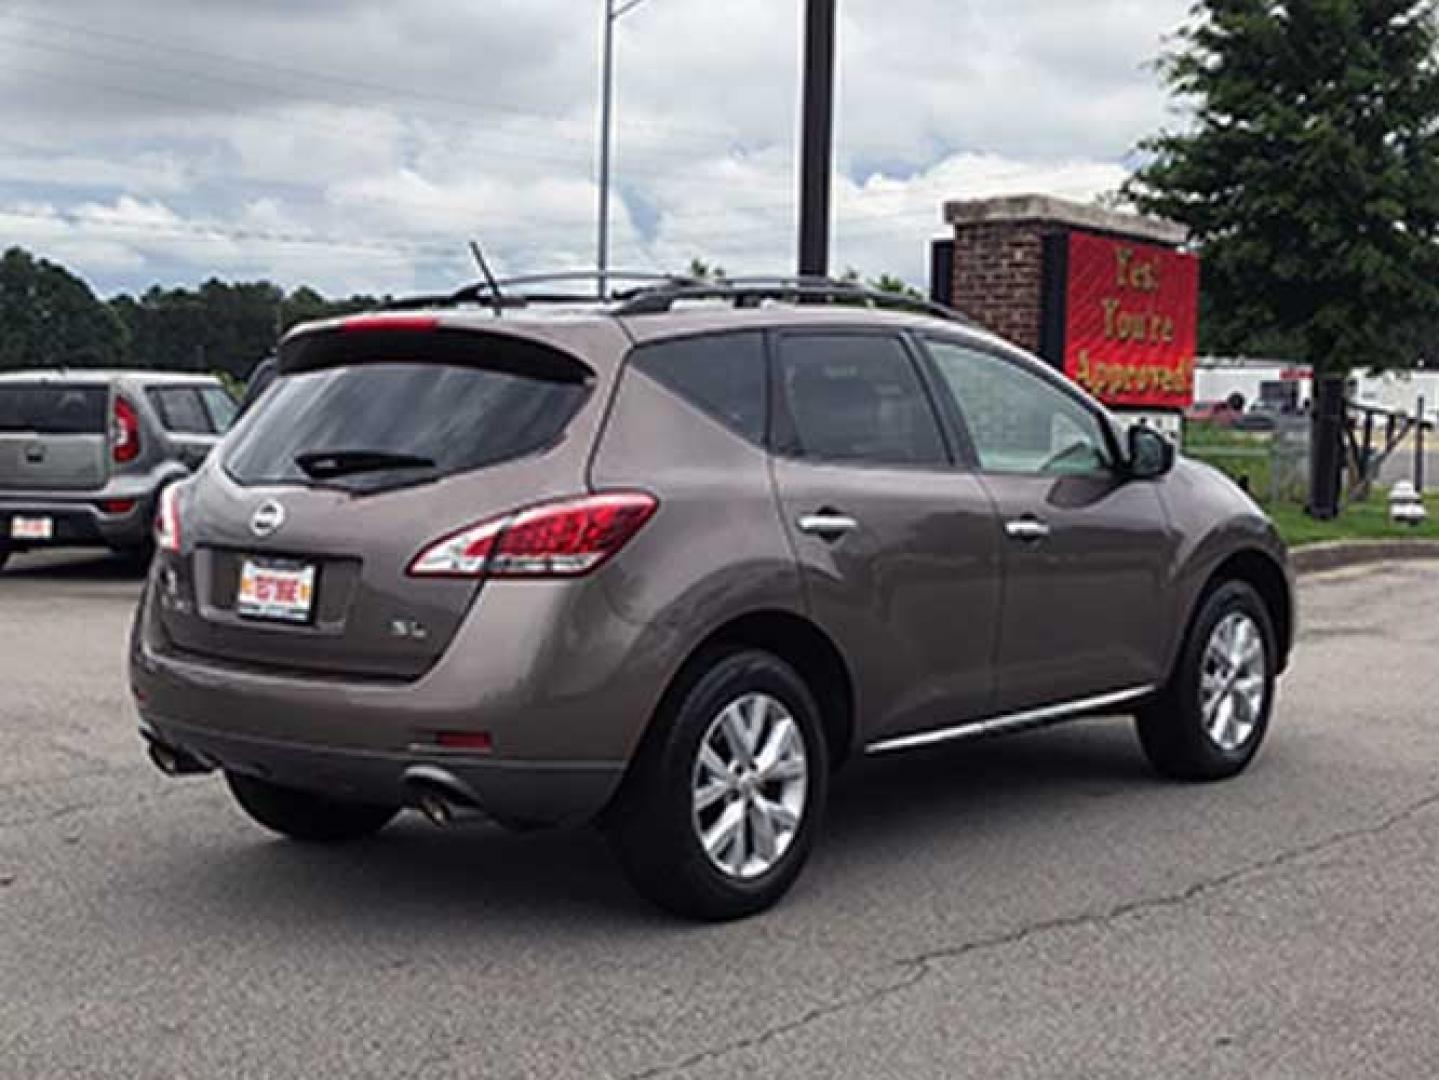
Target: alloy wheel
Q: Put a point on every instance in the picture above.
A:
(1233, 681)
(749, 786)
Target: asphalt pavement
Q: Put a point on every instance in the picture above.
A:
(1039, 906)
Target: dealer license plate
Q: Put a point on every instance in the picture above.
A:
(32, 528)
(281, 592)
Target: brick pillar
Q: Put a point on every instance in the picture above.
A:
(999, 270)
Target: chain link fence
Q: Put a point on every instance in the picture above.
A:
(1273, 465)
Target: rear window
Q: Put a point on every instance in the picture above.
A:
(453, 418)
(53, 410)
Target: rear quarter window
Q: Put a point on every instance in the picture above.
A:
(181, 410)
(53, 410)
(722, 375)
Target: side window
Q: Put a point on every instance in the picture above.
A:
(721, 374)
(221, 407)
(1019, 422)
(857, 398)
(181, 411)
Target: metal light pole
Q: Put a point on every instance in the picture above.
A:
(613, 13)
(817, 155)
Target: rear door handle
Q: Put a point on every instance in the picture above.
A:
(1026, 528)
(827, 524)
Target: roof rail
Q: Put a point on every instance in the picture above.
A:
(653, 294)
(508, 293)
(754, 291)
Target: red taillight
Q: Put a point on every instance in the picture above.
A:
(559, 539)
(117, 506)
(124, 432)
(167, 520)
(393, 323)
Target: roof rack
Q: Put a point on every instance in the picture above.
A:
(654, 294)
(754, 291)
(507, 293)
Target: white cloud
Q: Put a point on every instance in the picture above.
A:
(358, 144)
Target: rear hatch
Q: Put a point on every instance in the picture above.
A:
(296, 542)
(53, 436)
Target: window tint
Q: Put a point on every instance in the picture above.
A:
(459, 418)
(53, 410)
(857, 398)
(181, 410)
(1018, 421)
(221, 407)
(723, 375)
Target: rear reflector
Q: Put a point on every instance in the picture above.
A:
(117, 506)
(392, 323)
(478, 741)
(559, 539)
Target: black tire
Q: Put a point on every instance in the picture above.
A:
(654, 826)
(1172, 728)
(306, 816)
(4, 557)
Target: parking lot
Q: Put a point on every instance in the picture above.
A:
(1039, 906)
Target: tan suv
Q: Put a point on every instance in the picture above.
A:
(668, 561)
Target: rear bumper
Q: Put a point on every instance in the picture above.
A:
(514, 792)
(78, 522)
(563, 712)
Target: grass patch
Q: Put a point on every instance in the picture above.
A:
(1357, 521)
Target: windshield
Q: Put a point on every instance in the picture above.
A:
(405, 422)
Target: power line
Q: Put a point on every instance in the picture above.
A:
(468, 105)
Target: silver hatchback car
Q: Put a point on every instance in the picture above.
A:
(84, 455)
(666, 562)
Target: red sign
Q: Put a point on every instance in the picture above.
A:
(1131, 321)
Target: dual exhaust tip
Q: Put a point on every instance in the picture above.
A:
(439, 795)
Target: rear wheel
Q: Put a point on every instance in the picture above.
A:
(304, 815)
(1211, 718)
(721, 808)
(4, 557)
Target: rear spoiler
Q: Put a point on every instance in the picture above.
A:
(394, 338)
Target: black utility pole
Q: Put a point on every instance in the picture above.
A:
(817, 156)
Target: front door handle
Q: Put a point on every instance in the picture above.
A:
(1027, 529)
(827, 524)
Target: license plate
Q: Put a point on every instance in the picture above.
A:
(282, 592)
(32, 528)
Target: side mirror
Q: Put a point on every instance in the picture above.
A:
(1151, 455)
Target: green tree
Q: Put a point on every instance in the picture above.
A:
(50, 318)
(703, 271)
(1308, 175)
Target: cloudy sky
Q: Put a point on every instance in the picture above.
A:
(357, 144)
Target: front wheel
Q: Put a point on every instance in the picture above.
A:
(306, 816)
(722, 806)
(1209, 721)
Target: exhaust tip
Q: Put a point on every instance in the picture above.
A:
(173, 762)
(436, 810)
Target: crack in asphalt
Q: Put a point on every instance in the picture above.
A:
(59, 813)
(921, 966)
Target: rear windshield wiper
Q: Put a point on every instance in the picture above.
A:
(330, 464)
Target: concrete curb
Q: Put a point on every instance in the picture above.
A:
(1338, 554)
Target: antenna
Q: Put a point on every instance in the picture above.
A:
(497, 298)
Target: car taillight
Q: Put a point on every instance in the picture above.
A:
(124, 432)
(558, 539)
(167, 520)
